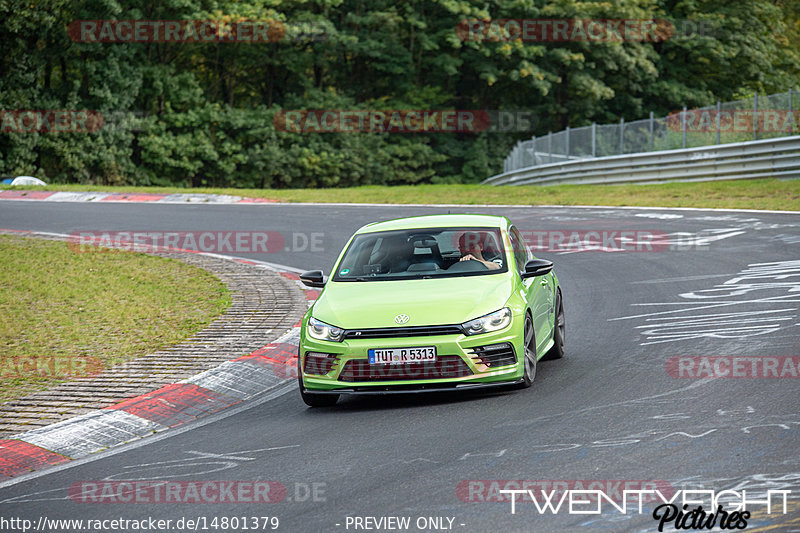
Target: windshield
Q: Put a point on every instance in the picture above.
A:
(423, 253)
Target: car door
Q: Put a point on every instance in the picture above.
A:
(538, 290)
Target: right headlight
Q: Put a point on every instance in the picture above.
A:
(492, 322)
(317, 329)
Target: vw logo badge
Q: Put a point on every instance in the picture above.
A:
(401, 319)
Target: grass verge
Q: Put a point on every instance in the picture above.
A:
(734, 194)
(65, 314)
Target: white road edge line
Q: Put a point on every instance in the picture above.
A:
(549, 206)
(359, 204)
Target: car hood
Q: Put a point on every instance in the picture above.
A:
(375, 304)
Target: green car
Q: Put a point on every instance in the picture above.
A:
(429, 303)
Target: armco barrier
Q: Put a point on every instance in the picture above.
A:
(778, 158)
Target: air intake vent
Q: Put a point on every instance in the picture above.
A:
(493, 355)
(318, 363)
(445, 366)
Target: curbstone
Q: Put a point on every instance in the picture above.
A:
(240, 354)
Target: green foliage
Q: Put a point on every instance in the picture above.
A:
(202, 114)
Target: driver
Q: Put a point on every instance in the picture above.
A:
(469, 244)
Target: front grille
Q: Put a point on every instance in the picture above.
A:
(318, 363)
(411, 331)
(495, 354)
(445, 366)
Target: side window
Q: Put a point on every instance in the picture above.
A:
(526, 250)
(519, 248)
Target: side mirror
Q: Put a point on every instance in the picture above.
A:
(536, 267)
(313, 278)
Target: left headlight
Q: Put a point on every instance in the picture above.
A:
(319, 330)
(491, 322)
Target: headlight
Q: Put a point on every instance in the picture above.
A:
(491, 322)
(324, 332)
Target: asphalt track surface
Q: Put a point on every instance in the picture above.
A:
(609, 410)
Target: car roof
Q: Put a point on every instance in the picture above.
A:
(438, 221)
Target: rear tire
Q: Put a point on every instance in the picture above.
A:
(315, 400)
(529, 355)
(559, 330)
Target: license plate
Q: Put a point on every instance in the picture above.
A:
(399, 356)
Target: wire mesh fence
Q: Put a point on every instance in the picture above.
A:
(760, 117)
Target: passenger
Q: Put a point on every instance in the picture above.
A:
(469, 244)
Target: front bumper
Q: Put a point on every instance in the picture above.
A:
(459, 366)
(429, 388)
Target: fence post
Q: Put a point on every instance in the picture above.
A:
(594, 139)
(621, 138)
(652, 132)
(755, 116)
(567, 143)
(683, 125)
(719, 109)
(535, 161)
(790, 109)
(549, 147)
(514, 157)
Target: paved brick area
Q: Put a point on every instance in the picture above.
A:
(265, 306)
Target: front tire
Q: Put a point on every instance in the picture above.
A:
(559, 330)
(315, 400)
(529, 355)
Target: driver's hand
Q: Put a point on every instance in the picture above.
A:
(467, 258)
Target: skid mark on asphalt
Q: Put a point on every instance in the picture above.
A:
(762, 280)
(738, 422)
(661, 395)
(198, 463)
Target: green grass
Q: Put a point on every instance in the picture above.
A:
(65, 314)
(734, 194)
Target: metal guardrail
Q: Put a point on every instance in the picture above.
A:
(753, 159)
(758, 118)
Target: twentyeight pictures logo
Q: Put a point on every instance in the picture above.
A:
(726, 509)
